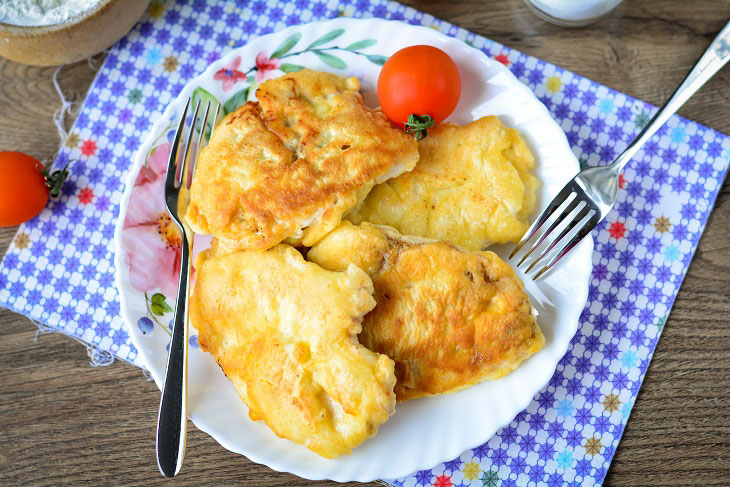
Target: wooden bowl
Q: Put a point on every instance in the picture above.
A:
(74, 40)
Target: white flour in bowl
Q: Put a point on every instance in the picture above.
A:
(42, 12)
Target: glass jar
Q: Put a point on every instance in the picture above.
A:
(572, 13)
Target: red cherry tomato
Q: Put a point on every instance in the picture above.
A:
(23, 190)
(420, 80)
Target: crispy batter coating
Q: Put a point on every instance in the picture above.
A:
(292, 164)
(472, 186)
(284, 331)
(449, 317)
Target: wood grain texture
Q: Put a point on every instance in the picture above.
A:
(65, 423)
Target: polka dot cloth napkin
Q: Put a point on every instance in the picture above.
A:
(59, 268)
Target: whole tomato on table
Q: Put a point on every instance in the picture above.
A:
(419, 86)
(25, 187)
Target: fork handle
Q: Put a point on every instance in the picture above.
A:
(714, 58)
(172, 419)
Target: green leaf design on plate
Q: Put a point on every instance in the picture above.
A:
(327, 37)
(159, 304)
(200, 94)
(330, 60)
(363, 44)
(290, 68)
(236, 100)
(286, 46)
(379, 60)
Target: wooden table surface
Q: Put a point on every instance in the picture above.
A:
(63, 422)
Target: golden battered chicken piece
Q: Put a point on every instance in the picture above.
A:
(292, 164)
(472, 186)
(449, 317)
(284, 331)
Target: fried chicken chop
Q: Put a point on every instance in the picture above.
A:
(472, 186)
(449, 318)
(292, 164)
(284, 331)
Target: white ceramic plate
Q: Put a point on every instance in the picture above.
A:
(423, 432)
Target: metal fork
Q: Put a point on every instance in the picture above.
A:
(173, 417)
(591, 194)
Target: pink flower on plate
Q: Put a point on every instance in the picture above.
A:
(150, 239)
(264, 65)
(230, 74)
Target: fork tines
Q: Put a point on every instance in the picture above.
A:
(177, 165)
(576, 219)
